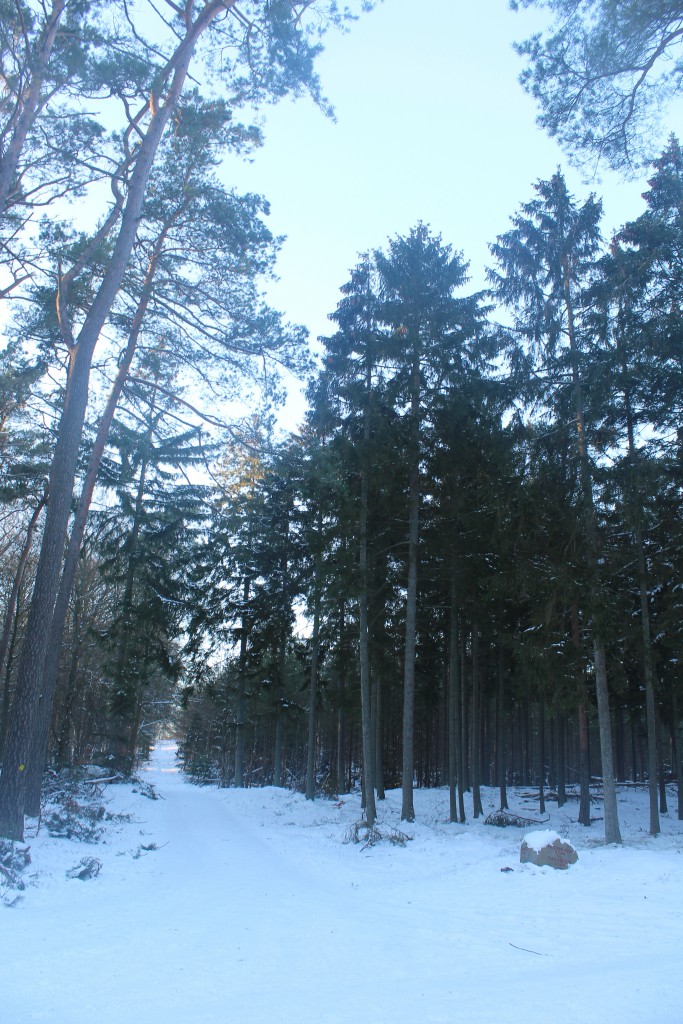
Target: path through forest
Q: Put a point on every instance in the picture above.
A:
(251, 909)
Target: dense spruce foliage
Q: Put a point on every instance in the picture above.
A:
(464, 569)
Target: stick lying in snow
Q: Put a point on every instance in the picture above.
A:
(525, 950)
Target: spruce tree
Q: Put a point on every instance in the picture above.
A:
(545, 262)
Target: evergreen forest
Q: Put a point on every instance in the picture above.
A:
(463, 569)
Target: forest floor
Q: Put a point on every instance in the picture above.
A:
(251, 906)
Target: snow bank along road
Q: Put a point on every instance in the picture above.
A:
(252, 909)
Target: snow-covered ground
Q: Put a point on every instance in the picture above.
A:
(248, 907)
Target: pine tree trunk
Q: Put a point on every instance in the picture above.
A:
(612, 833)
(313, 688)
(377, 734)
(561, 758)
(407, 806)
(660, 764)
(454, 731)
(464, 774)
(477, 808)
(242, 686)
(584, 766)
(13, 602)
(541, 756)
(677, 751)
(501, 732)
(526, 743)
(7, 686)
(364, 644)
(648, 671)
(341, 744)
(279, 722)
(619, 767)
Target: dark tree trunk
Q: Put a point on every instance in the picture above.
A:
(501, 732)
(584, 767)
(619, 760)
(7, 687)
(240, 724)
(663, 808)
(313, 688)
(454, 730)
(541, 755)
(280, 718)
(560, 726)
(464, 775)
(341, 736)
(677, 751)
(526, 744)
(364, 637)
(477, 808)
(377, 733)
(13, 602)
(407, 805)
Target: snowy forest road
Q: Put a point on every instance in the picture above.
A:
(246, 907)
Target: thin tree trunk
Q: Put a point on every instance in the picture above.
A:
(407, 806)
(366, 710)
(501, 732)
(280, 715)
(313, 688)
(526, 743)
(584, 747)
(340, 682)
(477, 808)
(677, 751)
(341, 744)
(619, 767)
(541, 756)
(464, 773)
(454, 731)
(13, 602)
(6, 691)
(612, 833)
(561, 758)
(377, 734)
(241, 687)
(660, 774)
(584, 766)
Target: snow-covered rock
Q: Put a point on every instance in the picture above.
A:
(546, 848)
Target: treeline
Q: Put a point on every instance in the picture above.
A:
(477, 527)
(480, 521)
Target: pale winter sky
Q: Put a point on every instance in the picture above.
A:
(432, 125)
